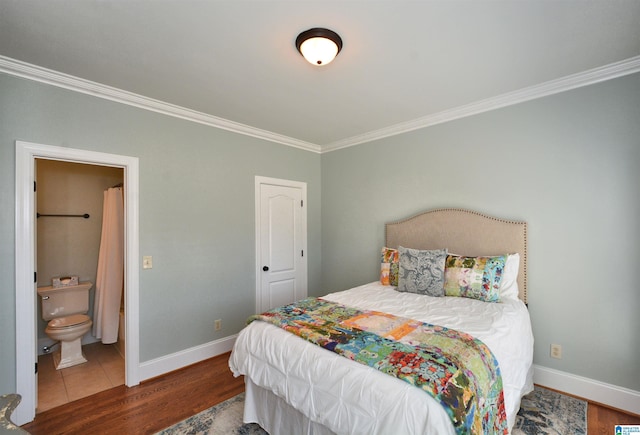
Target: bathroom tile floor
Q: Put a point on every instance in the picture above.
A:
(103, 370)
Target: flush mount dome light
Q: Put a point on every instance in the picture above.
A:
(319, 46)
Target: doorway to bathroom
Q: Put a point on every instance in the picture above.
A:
(28, 155)
(70, 234)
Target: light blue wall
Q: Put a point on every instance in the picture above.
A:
(196, 210)
(567, 164)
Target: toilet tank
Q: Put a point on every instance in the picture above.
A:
(64, 301)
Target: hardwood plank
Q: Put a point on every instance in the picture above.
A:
(147, 408)
(602, 420)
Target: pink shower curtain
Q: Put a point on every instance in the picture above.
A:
(110, 277)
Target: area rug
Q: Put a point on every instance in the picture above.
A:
(542, 412)
(546, 412)
(224, 418)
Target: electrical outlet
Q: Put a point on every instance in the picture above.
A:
(556, 351)
(217, 325)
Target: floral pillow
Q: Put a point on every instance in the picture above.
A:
(389, 267)
(421, 271)
(474, 277)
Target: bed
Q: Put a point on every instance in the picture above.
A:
(293, 386)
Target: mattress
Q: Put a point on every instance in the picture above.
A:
(347, 397)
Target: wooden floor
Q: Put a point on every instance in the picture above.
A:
(602, 420)
(147, 408)
(161, 402)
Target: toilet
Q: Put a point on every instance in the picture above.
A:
(65, 308)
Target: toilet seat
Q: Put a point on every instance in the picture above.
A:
(68, 321)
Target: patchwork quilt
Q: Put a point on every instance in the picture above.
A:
(457, 370)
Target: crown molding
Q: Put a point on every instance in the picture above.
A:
(586, 78)
(33, 72)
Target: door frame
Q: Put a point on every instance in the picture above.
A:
(26, 333)
(259, 181)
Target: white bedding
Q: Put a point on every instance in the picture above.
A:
(350, 398)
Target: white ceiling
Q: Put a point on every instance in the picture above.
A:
(402, 61)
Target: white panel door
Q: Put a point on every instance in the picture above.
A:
(281, 238)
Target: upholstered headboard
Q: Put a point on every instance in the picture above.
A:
(463, 232)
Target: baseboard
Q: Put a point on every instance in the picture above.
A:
(590, 389)
(168, 363)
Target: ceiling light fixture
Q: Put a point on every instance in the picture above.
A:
(319, 46)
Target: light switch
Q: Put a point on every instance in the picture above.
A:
(147, 262)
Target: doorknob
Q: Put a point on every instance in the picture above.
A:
(265, 268)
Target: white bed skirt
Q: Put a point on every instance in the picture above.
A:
(275, 415)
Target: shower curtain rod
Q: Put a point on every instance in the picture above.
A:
(86, 215)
